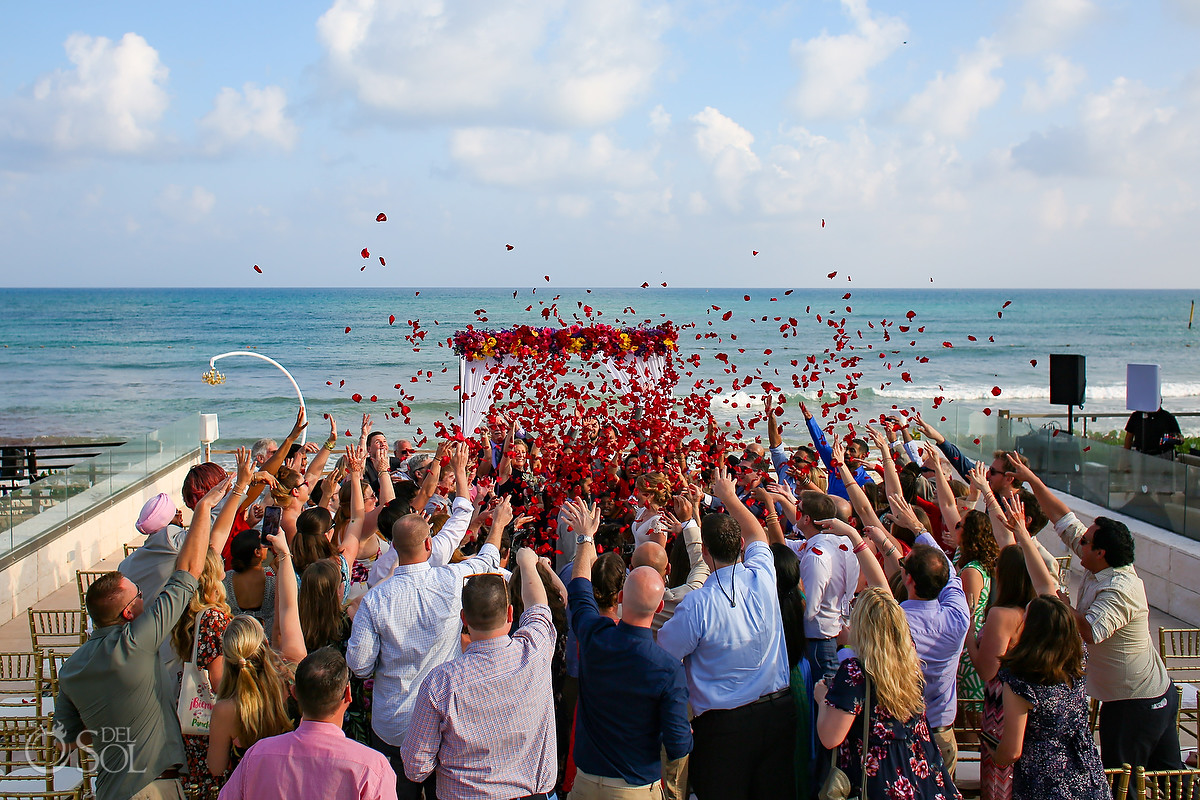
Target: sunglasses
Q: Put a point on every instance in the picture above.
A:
(993, 472)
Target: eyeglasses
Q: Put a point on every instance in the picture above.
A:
(484, 575)
(993, 472)
(406, 451)
(136, 597)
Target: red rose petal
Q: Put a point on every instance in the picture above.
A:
(987, 412)
(382, 263)
(832, 275)
(822, 223)
(366, 253)
(1033, 362)
(347, 329)
(995, 391)
(753, 252)
(746, 297)
(356, 397)
(947, 344)
(381, 217)
(391, 319)
(1007, 303)
(329, 383)
(374, 399)
(645, 285)
(341, 384)
(508, 247)
(258, 269)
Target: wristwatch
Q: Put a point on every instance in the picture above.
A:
(581, 538)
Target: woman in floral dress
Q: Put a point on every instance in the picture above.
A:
(204, 621)
(1046, 714)
(901, 759)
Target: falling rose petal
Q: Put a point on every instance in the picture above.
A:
(991, 338)
(1033, 362)
(382, 263)
(664, 284)
(832, 275)
(356, 397)
(508, 247)
(366, 253)
(976, 441)
(645, 284)
(947, 344)
(822, 223)
(547, 277)
(995, 391)
(726, 316)
(381, 217)
(753, 252)
(329, 383)
(971, 339)
(1089, 447)
(789, 291)
(374, 399)
(362, 269)
(391, 319)
(943, 419)
(341, 384)
(1007, 303)
(911, 314)
(416, 294)
(258, 269)
(347, 329)
(904, 376)
(746, 297)
(987, 412)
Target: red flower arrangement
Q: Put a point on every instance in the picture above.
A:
(525, 341)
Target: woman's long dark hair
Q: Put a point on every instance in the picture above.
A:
(320, 609)
(1050, 650)
(1012, 587)
(791, 601)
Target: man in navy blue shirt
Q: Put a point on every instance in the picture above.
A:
(856, 454)
(632, 693)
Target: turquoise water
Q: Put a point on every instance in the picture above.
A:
(85, 362)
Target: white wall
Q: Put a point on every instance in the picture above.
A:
(1168, 564)
(44, 571)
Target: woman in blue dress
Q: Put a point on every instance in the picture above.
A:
(1046, 730)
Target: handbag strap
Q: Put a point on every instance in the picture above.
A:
(866, 737)
(196, 639)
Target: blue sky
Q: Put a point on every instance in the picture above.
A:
(987, 143)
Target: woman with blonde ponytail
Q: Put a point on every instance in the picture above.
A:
(201, 627)
(252, 697)
(901, 759)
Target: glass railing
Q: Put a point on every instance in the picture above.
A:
(29, 512)
(1164, 493)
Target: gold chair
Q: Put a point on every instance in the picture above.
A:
(1118, 780)
(83, 579)
(57, 629)
(1169, 784)
(1180, 650)
(129, 548)
(967, 777)
(35, 768)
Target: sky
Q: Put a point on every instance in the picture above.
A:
(984, 143)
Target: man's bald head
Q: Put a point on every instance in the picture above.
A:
(653, 555)
(844, 509)
(409, 536)
(642, 596)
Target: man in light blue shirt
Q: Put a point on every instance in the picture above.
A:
(729, 634)
(938, 617)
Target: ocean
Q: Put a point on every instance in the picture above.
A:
(120, 362)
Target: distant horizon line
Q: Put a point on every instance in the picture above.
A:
(510, 287)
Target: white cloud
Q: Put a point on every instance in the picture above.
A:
(531, 159)
(833, 68)
(1062, 79)
(660, 120)
(253, 113)
(727, 147)
(578, 63)
(950, 103)
(1040, 25)
(179, 203)
(1057, 213)
(109, 101)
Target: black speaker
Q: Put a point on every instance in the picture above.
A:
(1067, 379)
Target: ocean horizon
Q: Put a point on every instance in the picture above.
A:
(116, 362)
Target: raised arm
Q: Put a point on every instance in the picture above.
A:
(504, 468)
(533, 591)
(858, 498)
(1054, 508)
(724, 490)
(287, 603)
(229, 511)
(868, 565)
(316, 466)
(820, 444)
(432, 476)
(977, 475)
(774, 439)
(583, 521)
(891, 478)
(1044, 582)
(773, 528)
(273, 463)
(945, 496)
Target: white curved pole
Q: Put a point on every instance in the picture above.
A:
(212, 366)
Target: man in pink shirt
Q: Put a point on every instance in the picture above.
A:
(316, 759)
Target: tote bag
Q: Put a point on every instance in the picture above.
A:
(195, 705)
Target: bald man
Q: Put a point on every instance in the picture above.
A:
(632, 693)
(652, 554)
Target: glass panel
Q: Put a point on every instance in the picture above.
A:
(29, 512)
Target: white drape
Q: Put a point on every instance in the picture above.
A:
(646, 371)
(478, 380)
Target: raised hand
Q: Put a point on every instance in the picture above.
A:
(671, 522)
(582, 519)
(836, 526)
(1014, 515)
(526, 559)
(301, 423)
(904, 513)
(723, 487)
(356, 459)
(502, 514)
(838, 450)
(245, 467)
(214, 495)
(978, 476)
(804, 410)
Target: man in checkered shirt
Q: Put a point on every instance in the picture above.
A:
(485, 721)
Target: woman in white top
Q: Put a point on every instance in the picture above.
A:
(652, 493)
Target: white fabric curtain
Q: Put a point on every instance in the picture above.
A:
(478, 380)
(624, 370)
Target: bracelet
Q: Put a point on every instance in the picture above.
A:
(772, 516)
(282, 555)
(239, 492)
(860, 547)
(889, 551)
(330, 444)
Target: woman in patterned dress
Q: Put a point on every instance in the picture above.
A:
(204, 621)
(1046, 714)
(1012, 590)
(976, 562)
(901, 758)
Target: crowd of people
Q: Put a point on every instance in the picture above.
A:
(774, 622)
